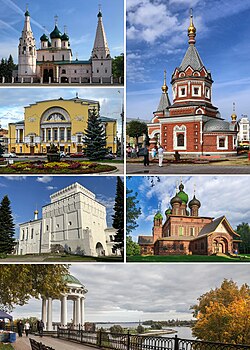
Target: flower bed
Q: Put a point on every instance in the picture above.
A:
(62, 167)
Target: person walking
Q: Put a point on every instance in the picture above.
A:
(41, 327)
(146, 156)
(160, 155)
(20, 328)
(27, 328)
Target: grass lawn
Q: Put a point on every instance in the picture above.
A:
(6, 346)
(184, 258)
(58, 258)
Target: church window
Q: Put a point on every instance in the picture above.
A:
(101, 64)
(221, 142)
(106, 71)
(181, 246)
(97, 71)
(183, 91)
(174, 246)
(196, 91)
(68, 134)
(180, 140)
(79, 138)
(87, 71)
(75, 71)
(191, 231)
(57, 225)
(53, 58)
(63, 71)
(30, 49)
(23, 236)
(207, 92)
(43, 58)
(63, 57)
(47, 227)
(202, 246)
(21, 149)
(32, 233)
(180, 231)
(70, 223)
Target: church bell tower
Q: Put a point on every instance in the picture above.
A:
(27, 51)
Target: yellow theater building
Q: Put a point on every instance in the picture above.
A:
(61, 122)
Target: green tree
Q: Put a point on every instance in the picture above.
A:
(244, 231)
(116, 330)
(95, 138)
(10, 67)
(118, 217)
(19, 283)
(132, 248)
(118, 66)
(7, 227)
(223, 314)
(132, 211)
(136, 128)
(140, 329)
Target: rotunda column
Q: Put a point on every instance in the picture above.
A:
(78, 306)
(74, 312)
(64, 316)
(49, 315)
(44, 313)
(82, 312)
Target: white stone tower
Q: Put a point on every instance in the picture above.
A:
(101, 59)
(27, 52)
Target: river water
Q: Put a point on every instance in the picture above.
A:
(181, 332)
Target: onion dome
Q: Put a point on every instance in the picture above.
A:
(191, 29)
(56, 34)
(36, 211)
(65, 37)
(44, 38)
(182, 195)
(99, 14)
(164, 86)
(158, 216)
(176, 199)
(194, 201)
(27, 14)
(168, 212)
(234, 115)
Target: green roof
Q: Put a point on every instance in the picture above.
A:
(65, 37)
(44, 38)
(158, 216)
(182, 195)
(56, 34)
(168, 211)
(72, 279)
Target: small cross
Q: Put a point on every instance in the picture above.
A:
(56, 19)
(27, 6)
(100, 7)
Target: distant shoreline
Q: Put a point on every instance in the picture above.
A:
(159, 332)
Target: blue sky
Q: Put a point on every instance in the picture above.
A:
(219, 195)
(157, 40)
(12, 108)
(80, 17)
(27, 193)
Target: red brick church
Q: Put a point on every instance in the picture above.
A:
(184, 232)
(192, 124)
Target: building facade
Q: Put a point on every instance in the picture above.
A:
(53, 61)
(61, 122)
(185, 232)
(191, 124)
(74, 221)
(243, 136)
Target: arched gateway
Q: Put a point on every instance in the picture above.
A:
(75, 292)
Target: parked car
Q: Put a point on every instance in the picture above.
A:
(64, 154)
(77, 155)
(9, 155)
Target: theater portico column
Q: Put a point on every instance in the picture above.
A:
(44, 313)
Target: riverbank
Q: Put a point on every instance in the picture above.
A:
(159, 332)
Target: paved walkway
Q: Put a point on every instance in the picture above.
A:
(23, 343)
(186, 169)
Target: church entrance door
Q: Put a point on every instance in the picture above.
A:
(48, 73)
(99, 249)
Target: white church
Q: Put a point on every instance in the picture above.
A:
(53, 61)
(74, 221)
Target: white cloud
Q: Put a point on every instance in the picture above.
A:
(44, 179)
(16, 178)
(50, 188)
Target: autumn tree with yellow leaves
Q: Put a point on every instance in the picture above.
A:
(223, 314)
(19, 283)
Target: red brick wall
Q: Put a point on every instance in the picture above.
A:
(186, 222)
(171, 247)
(147, 249)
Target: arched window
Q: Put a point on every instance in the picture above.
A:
(180, 140)
(63, 71)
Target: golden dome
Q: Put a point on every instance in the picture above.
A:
(233, 117)
(36, 211)
(191, 28)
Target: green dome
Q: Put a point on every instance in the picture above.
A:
(158, 216)
(44, 38)
(168, 212)
(65, 37)
(72, 279)
(182, 195)
(56, 34)
(27, 14)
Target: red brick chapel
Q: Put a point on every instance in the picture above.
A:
(184, 232)
(192, 124)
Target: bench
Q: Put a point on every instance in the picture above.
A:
(35, 345)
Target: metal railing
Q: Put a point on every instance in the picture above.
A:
(118, 341)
